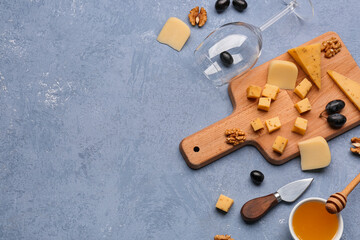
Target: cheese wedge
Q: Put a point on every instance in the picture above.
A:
(309, 59)
(175, 33)
(348, 86)
(314, 153)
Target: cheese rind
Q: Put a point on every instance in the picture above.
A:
(257, 124)
(270, 91)
(282, 74)
(348, 86)
(280, 144)
(175, 33)
(264, 103)
(303, 88)
(253, 91)
(273, 124)
(224, 203)
(303, 105)
(309, 59)
(300, 126)
(314, 153)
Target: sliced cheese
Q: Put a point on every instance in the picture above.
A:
(348, 86)
(309, 59)
(175, 33)
(282, 74)
(314, 153)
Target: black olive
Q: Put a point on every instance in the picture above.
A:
(240, 5)
(221, 5)
(257, 177)
(226, 58)
(334, 106)
(336, 120)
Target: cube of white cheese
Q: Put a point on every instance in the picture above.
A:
(314, 153)
(282, 74)
(175, 33)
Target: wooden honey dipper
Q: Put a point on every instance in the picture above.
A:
(337, 201)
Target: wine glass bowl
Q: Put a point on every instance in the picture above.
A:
(243, 41)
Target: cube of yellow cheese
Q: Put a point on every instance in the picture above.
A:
(270, 91)
(264, 103)
(300, 125)
(282, 74)
(273, 124)
(224, 203)
(303, 105)
(253, 91)
(280, 144)
(257, 124)
(303, 88)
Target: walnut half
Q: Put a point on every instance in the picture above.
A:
(356, 143)
(196, 17)
(223, 237)
(235, 136)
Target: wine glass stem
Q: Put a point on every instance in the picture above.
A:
(289, 8)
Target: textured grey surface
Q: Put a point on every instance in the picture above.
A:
(92, 110)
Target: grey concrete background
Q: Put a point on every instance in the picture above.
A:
(93, 108)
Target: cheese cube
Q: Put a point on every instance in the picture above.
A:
(300, 126)
(273, 124)
(264, 103)
(314, 153)
(253, 91)
(282, 74)
(303, 88)
(257, 124)
(224, 203)
(303, 105)
(175, 33)
(280, 144)
(270, 91)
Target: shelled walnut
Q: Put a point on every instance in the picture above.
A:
(331, 47)
(235, 136)
(356, 143)
(196, 17)
(223, 237)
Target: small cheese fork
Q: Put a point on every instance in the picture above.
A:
(337, 201)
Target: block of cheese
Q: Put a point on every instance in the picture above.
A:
(303, 105)
(282, 74)
(264, 103)
(280, 144)
(273, 124)
(348, 86)
(303, 88)
(309, 59)
(270, 91)
(175, 33)
(224, 203)
(253, 91)
(257, 124)
(314, 153)
(300, 125)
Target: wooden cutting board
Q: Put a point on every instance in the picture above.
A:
(208, 145)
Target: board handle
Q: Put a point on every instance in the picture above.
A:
(209, 144)
(256, 208)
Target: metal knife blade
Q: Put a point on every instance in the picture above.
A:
(291, 191)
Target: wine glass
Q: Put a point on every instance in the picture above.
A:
(243, 42)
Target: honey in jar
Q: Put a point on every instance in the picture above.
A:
(311, 221)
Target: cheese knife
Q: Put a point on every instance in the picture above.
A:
(254, 209)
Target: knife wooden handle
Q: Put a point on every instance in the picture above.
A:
(254, 209)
